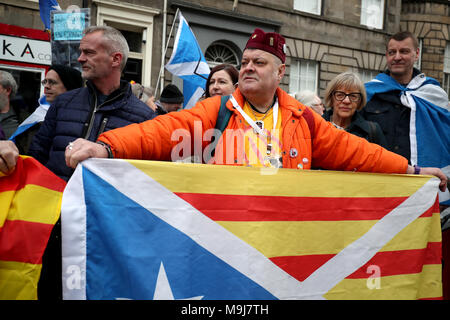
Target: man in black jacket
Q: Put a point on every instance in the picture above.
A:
(105, 103)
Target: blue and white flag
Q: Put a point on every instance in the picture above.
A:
(429, 123)
(36, 117)
(134, 229)
(188, 63)
(129, 237)
(45, 6)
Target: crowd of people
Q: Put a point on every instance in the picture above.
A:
(92, 119)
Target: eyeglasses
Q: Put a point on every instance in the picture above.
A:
(340, 96)
(49, 81)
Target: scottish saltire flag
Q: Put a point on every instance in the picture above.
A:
(45, 6)
(36, 117)
(159, 230)
(430, 120)
(30, 202)
(188, 63)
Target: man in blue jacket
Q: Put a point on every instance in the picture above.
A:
(391, 98)
(105, 103)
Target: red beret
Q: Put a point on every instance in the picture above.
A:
(271, 42)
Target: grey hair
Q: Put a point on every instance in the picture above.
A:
(306, 97)
(114, 41)
(141, 92)
(8, 82)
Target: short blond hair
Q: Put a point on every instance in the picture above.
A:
(345, 80)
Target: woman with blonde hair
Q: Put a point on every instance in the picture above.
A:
(345, 96)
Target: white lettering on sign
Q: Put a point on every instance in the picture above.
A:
(25, 50)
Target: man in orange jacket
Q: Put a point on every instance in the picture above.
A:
(267, 128)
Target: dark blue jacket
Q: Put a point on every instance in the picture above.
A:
(368, 130)
(394, 118)
(75, 114)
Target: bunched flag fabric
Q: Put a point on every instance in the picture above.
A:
(45, 6)
(36, 117)
(158, 230)
(30, 202)
(430, 120)
(188, 63)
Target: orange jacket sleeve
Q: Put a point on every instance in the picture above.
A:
(154, 139)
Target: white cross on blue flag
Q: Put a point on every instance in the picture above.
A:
(188, 63)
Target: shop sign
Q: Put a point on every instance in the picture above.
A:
(25, 50)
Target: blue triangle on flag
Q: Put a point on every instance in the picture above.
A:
(127, 244)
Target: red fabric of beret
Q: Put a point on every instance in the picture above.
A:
(271, 42)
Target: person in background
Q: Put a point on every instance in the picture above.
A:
(11, 115)
(346, 96)
(171, 99)
(59, 79)
(385, 105)
(222, 80)
(310, 99)
(145, 94)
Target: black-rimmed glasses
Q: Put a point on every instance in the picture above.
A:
(49, 81)
(340, 96)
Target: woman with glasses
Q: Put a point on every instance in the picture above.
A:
(345, 96)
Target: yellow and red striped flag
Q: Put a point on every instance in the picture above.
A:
(182, 231)
(30, 202)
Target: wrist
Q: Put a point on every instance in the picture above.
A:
(417, 169)
(107, 147)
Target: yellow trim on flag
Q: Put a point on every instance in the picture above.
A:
(18, 280)
(218, 179)
(422, 285)
(291, 238)
(417, 234)
(32, 203)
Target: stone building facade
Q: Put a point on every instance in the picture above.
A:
(324, 37)
(430, 22)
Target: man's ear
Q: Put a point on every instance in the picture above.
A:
(281, 71)
(417, 54)
(8, 91)
(117, 59)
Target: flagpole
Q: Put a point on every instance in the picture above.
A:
(161, 70)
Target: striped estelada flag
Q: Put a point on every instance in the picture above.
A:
(30, 202)
(160, 230)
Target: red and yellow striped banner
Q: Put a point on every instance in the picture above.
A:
(30, 202)
(304, 221)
